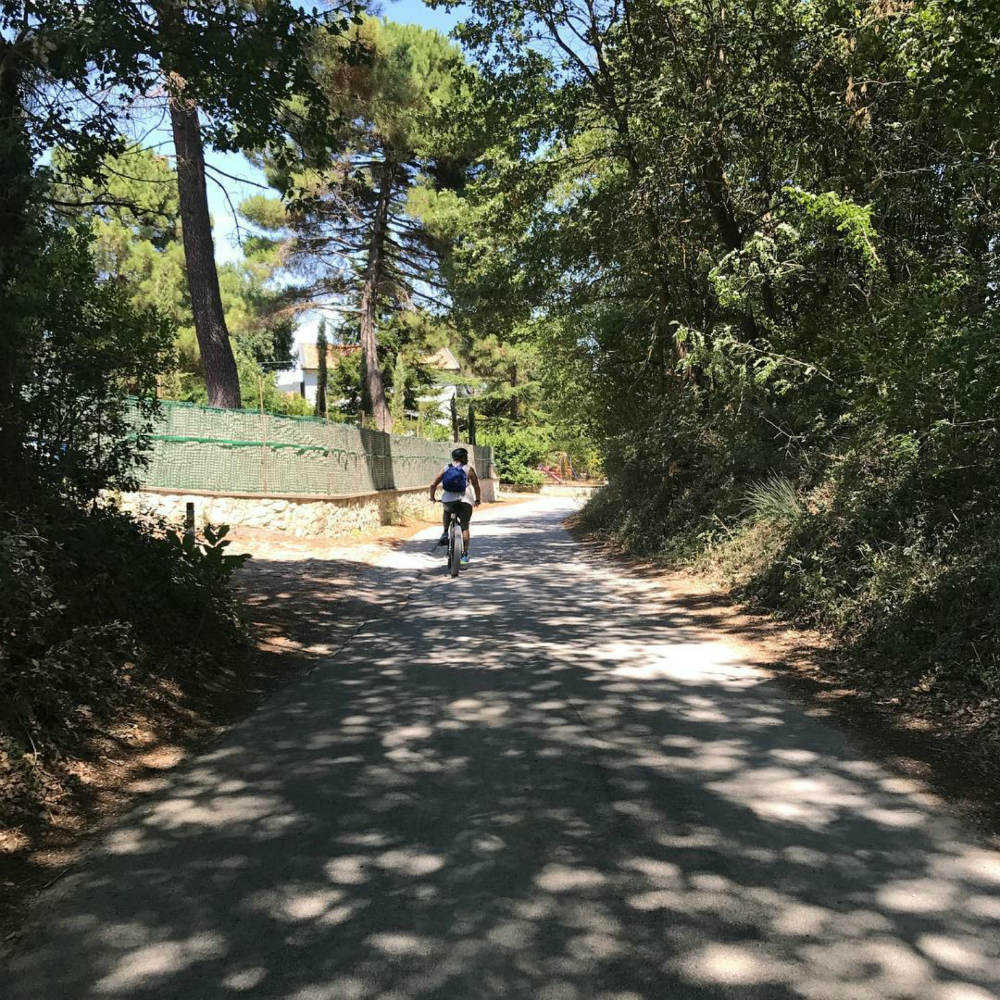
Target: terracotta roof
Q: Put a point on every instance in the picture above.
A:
(334, 354)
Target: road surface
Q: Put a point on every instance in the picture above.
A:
(539, 781)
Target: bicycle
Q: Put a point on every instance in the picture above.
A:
(455, 543)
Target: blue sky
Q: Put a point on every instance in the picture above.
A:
(226, 247)
(415, 12)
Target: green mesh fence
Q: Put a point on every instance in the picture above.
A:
(243, 451)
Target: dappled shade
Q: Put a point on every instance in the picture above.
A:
(543, 780)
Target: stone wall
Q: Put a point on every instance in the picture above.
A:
(578, 490)
(301, 516)
(568, 489)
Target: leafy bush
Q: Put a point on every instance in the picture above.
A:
(209, 557)
(290, 404)
(86, 349)
(94, 602)
(516, 453)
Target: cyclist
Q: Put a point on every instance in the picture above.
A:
(461, 493)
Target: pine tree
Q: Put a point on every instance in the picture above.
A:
(371, 226)
(400, 373)
(322, 376)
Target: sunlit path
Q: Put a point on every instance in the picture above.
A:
(533, 782)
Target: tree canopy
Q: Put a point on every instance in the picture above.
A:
(757, 246)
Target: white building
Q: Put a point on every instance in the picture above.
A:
(303, 377)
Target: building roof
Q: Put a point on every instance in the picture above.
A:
(442, 360)
(335, 353)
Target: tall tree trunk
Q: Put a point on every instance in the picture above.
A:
(322, 374)
(15, 192)
(374, 385)
(221, 378)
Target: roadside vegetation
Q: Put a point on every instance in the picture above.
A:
(753, 251)
(102, 617)
(106, 619)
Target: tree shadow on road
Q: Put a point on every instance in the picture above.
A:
(527, 785)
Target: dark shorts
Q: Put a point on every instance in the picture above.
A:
(462, 509)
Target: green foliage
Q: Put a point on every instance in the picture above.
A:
(584, 458)
(345, 386)
(238, 62)
(322, 377)
(208, 557)
(767, 289)
(289, 404)
(774, 499)
(90, 349)
(93, 604)
(429, 422)
(397, 405)
(517, 453)
(398, 94)
(135, 224)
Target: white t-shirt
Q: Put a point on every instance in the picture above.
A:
(469, 496)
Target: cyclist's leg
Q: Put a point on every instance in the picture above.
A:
(464, 512)
(445, 522)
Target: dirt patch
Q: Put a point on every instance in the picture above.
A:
(928, 740)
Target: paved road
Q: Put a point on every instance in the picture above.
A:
(536, 782)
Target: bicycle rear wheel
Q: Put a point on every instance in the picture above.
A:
(455, 548)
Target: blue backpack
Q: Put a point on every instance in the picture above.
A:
(455, 480)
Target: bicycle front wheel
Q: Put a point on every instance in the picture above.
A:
(455, 550)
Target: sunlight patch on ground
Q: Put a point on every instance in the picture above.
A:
(410, 861)
(244, 979)
(158, 960)
(397, 943)
(962, 991)
(733, 965)
(962, 955)
(293, 904)
(790, 796)
(562, 878)
(680, 662)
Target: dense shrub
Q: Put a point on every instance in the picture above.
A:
(517, 453)
(93, 604)
(888, 544)
(86, 350)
